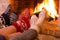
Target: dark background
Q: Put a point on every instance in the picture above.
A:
(19, 5)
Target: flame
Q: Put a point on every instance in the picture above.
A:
(49, 5)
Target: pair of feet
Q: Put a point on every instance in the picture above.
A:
(24, 21)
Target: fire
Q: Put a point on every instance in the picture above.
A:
(49, 5)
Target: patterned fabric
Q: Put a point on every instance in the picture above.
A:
(7, 18)
(13, 17)
(2, 25)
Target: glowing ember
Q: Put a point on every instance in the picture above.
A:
(49, 6)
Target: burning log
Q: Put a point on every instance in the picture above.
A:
(49, 18)
(51, 27)
(36, 14)
(49, 5)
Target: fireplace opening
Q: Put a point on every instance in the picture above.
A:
(36, 6)
(51, 8)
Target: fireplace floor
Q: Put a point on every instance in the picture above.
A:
(49, 31)
(46, 37)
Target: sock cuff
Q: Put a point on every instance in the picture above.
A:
(18, 28)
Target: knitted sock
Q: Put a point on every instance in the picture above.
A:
(23, 22)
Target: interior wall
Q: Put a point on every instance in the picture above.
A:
(3, 5)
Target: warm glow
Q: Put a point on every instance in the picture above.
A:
(49, 5)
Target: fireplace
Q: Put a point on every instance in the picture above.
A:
(50, 25)
(19, 6)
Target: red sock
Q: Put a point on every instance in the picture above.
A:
(23, 22)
